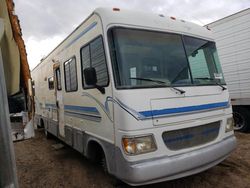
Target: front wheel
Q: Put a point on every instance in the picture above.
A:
(113, 180)
(242, 119)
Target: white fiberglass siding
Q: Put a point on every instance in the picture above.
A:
(232, 36)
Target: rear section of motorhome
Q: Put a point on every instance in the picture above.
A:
(232, 35)
(148, 99)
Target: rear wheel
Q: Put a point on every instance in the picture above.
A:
(242, 119)
(41, 124)
(47, 134)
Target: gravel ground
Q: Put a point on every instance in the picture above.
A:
(41, 165)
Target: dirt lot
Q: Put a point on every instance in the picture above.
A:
(41, 165)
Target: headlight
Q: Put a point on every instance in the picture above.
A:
(138, 144)
(229, 125)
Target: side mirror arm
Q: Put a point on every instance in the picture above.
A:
(100, 88)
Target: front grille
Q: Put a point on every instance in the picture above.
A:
(190, 137)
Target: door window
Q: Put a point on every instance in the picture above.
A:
(70, 75)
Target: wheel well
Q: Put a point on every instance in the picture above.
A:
(41, 123)
(95, 151)
(241, 107)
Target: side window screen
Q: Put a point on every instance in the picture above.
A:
(58, 79)
(51, 83)
(98, 61)
(70, 75)
(85, 56)
(93, 55)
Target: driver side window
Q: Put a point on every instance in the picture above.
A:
(93, 55)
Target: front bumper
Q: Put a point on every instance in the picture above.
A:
(168, 168)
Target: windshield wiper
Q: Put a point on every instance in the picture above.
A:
(159, 82)
(212, 79)
(148, 79)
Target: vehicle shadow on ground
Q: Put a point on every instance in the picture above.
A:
(39, 164)
(98, 178)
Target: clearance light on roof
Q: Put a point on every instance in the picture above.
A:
(116, 9)
(173, 18)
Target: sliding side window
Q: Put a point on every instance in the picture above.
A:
(70, 75)
(51, 82)
(93, 55)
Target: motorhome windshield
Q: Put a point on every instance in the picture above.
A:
(154, 59)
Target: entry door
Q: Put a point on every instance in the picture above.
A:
(59, 100)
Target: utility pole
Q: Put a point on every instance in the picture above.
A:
(8, 177)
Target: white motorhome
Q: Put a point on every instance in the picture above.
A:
(144, 93)
(232, 35)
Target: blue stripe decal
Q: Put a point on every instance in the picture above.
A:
(91, 26)
(169, 111)
(84, 116)
(82, 108)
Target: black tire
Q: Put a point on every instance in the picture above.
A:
(104, 164)
(241, 118)
(113, 180)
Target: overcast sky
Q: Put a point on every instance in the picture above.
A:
(45, 23)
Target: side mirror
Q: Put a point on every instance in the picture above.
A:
(90, 76)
